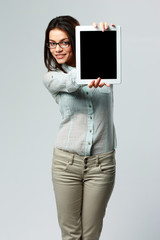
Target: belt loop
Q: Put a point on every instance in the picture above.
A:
(72, 159)
(97, 160)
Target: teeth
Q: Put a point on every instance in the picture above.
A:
(59, 56)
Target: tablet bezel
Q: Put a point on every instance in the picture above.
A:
(118, 51)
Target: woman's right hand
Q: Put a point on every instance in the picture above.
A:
(97, 83)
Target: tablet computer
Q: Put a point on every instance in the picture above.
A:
(98, 54)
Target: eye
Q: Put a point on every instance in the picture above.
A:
(65, 43)
(52, 44)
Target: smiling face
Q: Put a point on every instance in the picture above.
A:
(62, 55)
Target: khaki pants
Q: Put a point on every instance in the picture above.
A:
(82, 186)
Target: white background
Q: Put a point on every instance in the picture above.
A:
(30, 118)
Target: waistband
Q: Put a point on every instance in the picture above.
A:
(72, 157)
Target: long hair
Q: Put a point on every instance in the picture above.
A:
(67, 24)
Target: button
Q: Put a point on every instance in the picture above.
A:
(85, 167)
(87, 93)
(90, 117)
(85, 161)
(90, 131)
(90, 106)
(89, 143)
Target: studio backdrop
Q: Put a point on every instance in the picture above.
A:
(30, 119)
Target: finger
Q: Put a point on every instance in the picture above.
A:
(113, 25)
(108, 85)
(102, 27)
(96, 84)
(106, 25)
(91, 84)
(95, 25)
(101, 84)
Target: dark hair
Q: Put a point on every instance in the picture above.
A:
(67, 24)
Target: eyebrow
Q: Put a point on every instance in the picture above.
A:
(60, 40)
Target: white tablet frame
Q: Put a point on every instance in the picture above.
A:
(78, 60)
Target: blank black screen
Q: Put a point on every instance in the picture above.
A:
(98, 54)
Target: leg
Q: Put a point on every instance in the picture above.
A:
(68, 193)
(98, 186)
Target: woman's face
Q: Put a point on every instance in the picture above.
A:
(62, 55)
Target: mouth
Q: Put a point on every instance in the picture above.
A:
(60, 56)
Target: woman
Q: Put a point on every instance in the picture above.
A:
(83, 170)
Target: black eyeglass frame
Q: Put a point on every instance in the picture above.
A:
(55, 44)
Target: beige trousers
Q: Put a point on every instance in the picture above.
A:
(82, 186)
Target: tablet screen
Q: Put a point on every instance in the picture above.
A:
(98, 54)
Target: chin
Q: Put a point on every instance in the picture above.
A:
(61, 61)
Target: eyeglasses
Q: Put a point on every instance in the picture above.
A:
(62, 44)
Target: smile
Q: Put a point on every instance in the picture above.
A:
(60, 56)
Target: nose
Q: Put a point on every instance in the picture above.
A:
(58, 48)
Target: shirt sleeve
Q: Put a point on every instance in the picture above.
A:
(58, 81)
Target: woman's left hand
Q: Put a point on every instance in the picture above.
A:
(103, 25)
(97, 83)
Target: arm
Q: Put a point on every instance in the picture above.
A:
(58, 81)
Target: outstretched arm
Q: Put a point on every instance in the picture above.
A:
(58, 81)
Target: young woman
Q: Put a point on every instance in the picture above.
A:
(83, 169)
